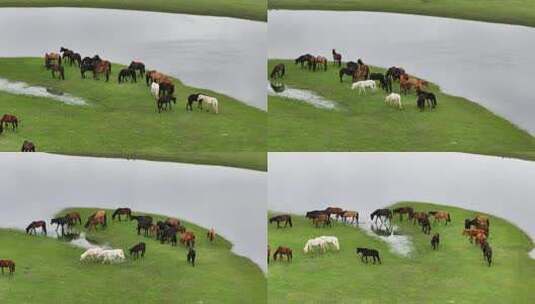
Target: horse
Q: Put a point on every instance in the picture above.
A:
(121, 211)
(483, 225)
(403, 210)
(315, 213)
(74, 217)
(86, 65)
(96, 218)
(278, 71)
(472, 233)
(323, 219)
(166, 88)
(416, 216)
(429, 97)
(362, 72)
(10, 119)
(51, 57)
(304, 58)
(345, 71)
(190, 258)
(350, 217)
(9, 264)
(406, 83)
(283, 251)
(480, 239)
(102, 67)
(394, 99)
(56, 68)
(168, 234)
(34, 225)
(137, 249)
(380, 214)
(187, 239)
(440, 215)
(334, 210)
(315, 243)
(435, 241)
(27, 146)
(331, 240)
(210, 235)
(386, 83)
(143, 223)
(137, 66)
(487, 252)
(394, 73)
(337, 58)
(286, 218)
(363, 85)
(126, 73)
(155, 76)
(426, 225)
(173, 222)
(164, 101)
(367, 252)
(155, 90)
(112, 256)
(210, 101)
(60, 222)
(191, 99)
(318, 61)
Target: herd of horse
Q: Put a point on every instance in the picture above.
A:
(363, 79)
(164, 231)
(477, 229)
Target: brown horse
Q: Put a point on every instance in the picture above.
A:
(480, 239)
(472, 233)
(362, 72)
(417, 216)
(350, 217)
(155, 76)
(322, 219)
(278, 71)
(51, 58)
(318, 62)
(334, 210)
(73, 217)
(403, 210)
(187, 239)
(406, 83)
(337, 58)
(441, 216)
(32, 228)
(173, 222)
(27, 146)
(283, 251)
(9, 264)
(102, 67)
(56, 68)
(10, 119)
(96, 218)
(211, 234)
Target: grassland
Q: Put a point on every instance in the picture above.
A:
(365, 123)
(49, 271)
(456, 273)
(122, 121)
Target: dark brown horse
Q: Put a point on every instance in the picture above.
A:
(137, 250)
(187, 239)
(307, 58)
(137, 66)
(394, 73)
(334, 211)
(10, 119)
(56, 68)
(32, 228)
(322, 219)
(404, 210)
(283, 251)
(210, 235)
(286, 218)
(435, 241)
(278, 71)
(27, 146)
(337, 58)
(9, 264)
(121, 211)
(74, 217)
(102, 67)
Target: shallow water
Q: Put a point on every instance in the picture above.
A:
(226, 55)
(304, 96)
(298, 182)
(22, 88)
(488, 63)
(38, 185)
(398, 243)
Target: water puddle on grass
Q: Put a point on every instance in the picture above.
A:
(399, 244)
(22, 88)
(77, 239)
(532, 254)
(305, 96)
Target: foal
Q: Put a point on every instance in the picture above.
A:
(140, 247)
(435, 241)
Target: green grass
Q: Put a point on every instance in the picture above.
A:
(49, 270)
(122, 121)
(244, 9)
(520, 12)
(365, 123)
(456, 273)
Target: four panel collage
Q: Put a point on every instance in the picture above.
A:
(267, 151)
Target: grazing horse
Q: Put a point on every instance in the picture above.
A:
(168, 234)
(416, 216)
(426, 225)
(96, 218)
(210, 101)
(394, 73)
(121, 211)
(187, 239)
(164, 102)
(345, 71)
(440, 215)
(143, 223)
(283, 251)
(350, 217)
(278, 71)
(191, 256)
(32, 228)
(367, 252)
(487, 252)
(191, 99)
(74, 217)
(394, 99)
(9, 264)
(473, 233)
(381, 214)
(210, 235)
(429, 97)
(286, 218)
(323, 219)
(51, 58)
(363, 85)
(102, 67)
(137, 66)
(404, 210)
(315, 243)
(386, 83)
(27, 146)
(318, 61)
(361, 73)
(331, 240)
(337, 58)
(137, 249)
(315, 213)
(56, 68)
(61, 222)
(126, 73)
(476, 224)
(435, 241)
(10, 119)
(334, 210)
(307, 58)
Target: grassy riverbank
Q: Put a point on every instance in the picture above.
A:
(49, 270)
(244, 9)
(456, 273)
(365, 123)
(122, 121)
(521, 12)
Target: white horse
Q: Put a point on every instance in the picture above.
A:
(155, 90)
(210, 101)
(314, 243)
(91, 255)
(363, 85)
(331, 240)
(394, 99)
(112, 256)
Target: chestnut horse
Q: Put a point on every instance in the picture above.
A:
(473, 233)
(102, 67)
(187, 239)
(283, 251)
(337, 58)
(34, 225)
(440, 215)
(322, 219)
(9, 264)
(96, 218)
(10, 119)
(334, 210)
(318, 61)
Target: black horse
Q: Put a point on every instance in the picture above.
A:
(286, 218)
(191, 99)
(191, 256)
(307, 58)
(394, 73)
(143, 223)
(381, 214)
(435, 241)
(169, 235)
(137, 66)
(61, 222)
(366, 252)
(137, 249)
(345, 71)
(426, 225)
(126, 73)
(385, 82)
(86, 66)
(420, 102)
(429, 97)
(164, 101)
(278, 71)
(34, 225)
(120, 211)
